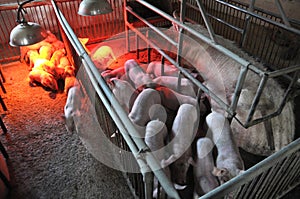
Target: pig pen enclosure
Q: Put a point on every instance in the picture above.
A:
(256, 43)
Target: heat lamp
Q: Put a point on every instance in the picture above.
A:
(26, 33)
(94, 7)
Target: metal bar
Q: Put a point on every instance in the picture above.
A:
(255, 192)
(284, 71)
(226, 23)
(152, 27)
(195, 33)
(206, 21)
(181, 31)
(253, 171)
(289, 174)
(247, 24)
(285, 98)
(255, 102)
(273, 185)
(238, 88)
(294, 30)
(282, 13)
(271, 176)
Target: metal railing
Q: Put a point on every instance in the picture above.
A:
(260, 33)
(265, 170)
(245, 67)
(111, 112)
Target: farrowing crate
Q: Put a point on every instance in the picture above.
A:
(265, 179)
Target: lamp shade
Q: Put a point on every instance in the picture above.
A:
(94, 7)
(27, 33)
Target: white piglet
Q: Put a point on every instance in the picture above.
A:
(72, 107)
(135, 74)
(181, 85)
(123, 91)
(183, 133)
(103, 56)
(156, 69)
(229, 162)
(147, 107)
(155, 136)
(204, 179)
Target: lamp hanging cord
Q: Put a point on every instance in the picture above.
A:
(20, 9)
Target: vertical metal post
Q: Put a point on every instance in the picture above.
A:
(137, 46)
(238, 88)
(148, 48)
(126, 27)
(247, 24)
(256, 99)
(181, 31)
(162, 72)
(148, 181)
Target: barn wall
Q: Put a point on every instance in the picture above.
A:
(291, 7)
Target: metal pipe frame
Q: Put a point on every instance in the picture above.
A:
(146, 160)
(184, 71)
(246, 64)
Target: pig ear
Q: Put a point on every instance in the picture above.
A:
(164, 163)
(192, 162)
(219, 172)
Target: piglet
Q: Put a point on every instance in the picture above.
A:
(182, 135)
(155, 69)
(135, 74)
(33, 55)
(146, 107)
(55, 58)
(103, 56)
(229, 162)
(155, 136)
(204, 179)
(46, 52)
(116, 73)
(70, 81)
(123, 91)
(72, 107)
(186, 86)
(44, 78)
